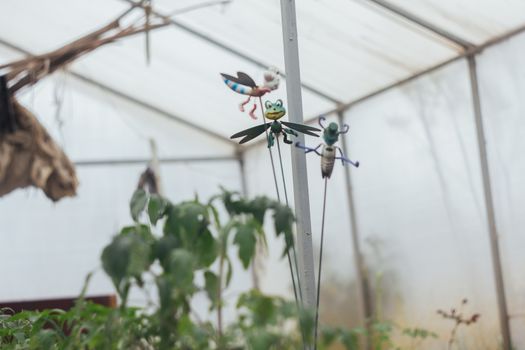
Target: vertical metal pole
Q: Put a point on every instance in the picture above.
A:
(363, 288)
(489, 205)
(300, 177)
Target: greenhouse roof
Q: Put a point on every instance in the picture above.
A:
(349, 49)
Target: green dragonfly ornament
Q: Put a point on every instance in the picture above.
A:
(274, 112)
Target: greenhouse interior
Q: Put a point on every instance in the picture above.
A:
(249, 174)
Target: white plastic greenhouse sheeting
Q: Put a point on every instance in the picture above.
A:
(419, 199)
(418, 193)
(349, 48)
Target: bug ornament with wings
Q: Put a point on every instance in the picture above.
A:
(243, 84)
(329, 151)
(276, 128)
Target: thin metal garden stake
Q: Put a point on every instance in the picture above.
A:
(328, 156)
(320, 266)
(288, 204)
(298, 296)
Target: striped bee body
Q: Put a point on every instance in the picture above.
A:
(328, 155)
(239, 88)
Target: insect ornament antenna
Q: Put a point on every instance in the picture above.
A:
(321, 120)
(344, 130)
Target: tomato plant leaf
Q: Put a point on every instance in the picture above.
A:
(246, 240)
(211, 285)
(138, 203)
(156, 208)
(283, 221)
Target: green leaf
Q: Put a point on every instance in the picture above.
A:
(156, 208)
(128, 255)
(163, 248)
(349, 339)
(328, 335)
(182, 264)
(229, 272)
(231, 202)
(185, 326)
(262, 308)
(306, 323)
(283, 221)
(212, 288)
(138, 203)
(194, 217)
(215, 214)
(246, 240)
(205, 248)
(258, 207)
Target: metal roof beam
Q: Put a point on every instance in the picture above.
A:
(398, 11)
(233, 51)
(130, 98)
(141, 161)
(470, 52)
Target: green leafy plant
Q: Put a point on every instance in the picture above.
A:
(183, 249)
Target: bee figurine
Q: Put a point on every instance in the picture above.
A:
(243, 84)
(275, 111)
(329, 152)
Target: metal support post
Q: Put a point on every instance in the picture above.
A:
(300, 177)
(363, 287)
(489, 206)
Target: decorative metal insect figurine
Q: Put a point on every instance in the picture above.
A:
(329, 152)
(245, 85)
(275, 111)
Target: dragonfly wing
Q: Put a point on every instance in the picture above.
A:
(245, 79)
(241, 78)
(229, 77)
(305, 129)
(251, 133)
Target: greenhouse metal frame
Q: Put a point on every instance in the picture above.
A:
(465, 50)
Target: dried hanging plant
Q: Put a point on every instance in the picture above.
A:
(28, 155)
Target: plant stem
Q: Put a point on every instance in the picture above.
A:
(219, 298)
(452, 336)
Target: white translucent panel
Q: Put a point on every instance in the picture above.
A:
(43, 27)
(338, 276)
(502, 85)
(93, 125)
(183, 77)
(51, 247)
(474, 20)
(185, 82)
(420, 205)
(346, 49)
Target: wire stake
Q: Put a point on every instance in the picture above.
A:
(320, 266)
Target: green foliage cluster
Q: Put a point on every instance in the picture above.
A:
(184, 249)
